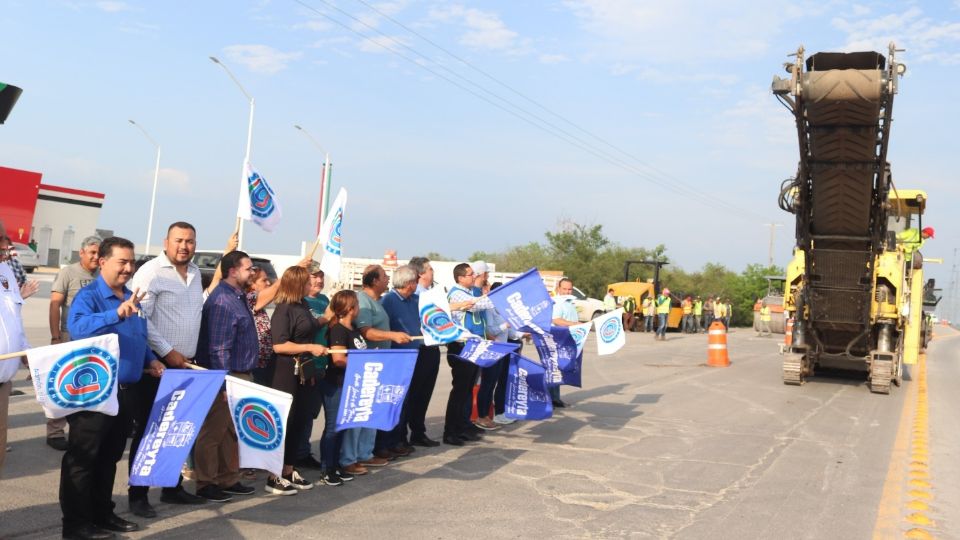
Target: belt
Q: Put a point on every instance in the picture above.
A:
(241, 372)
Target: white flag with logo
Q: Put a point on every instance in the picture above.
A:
(610, 335)
(579, 333)
(436, 323)
(76, 376)
(261, 205)
(331, 238)
(260, 417)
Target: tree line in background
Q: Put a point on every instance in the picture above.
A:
(592, 261)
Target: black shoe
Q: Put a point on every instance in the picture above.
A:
(470, 437)
(116, 523)
(180, 496)
(309, 462)
(331, 478)
(213, 493)
(142, 508)
(344, 475)
(424, 441)
(87, 532)
(558, 404)
(238, 489)
(57, 443)
(452, 440)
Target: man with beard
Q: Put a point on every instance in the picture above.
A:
(228, 341)
(174, 298)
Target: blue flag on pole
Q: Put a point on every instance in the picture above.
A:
(527, 397)
(485, 353)
(570, 374)
(374, 386)
(524, 301)
(557, 351)
(182, 403)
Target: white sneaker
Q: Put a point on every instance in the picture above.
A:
(503, 420)
(298, 482)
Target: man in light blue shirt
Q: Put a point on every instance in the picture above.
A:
(564, 314)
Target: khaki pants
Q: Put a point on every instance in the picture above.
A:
(4, 408)
(216, 455)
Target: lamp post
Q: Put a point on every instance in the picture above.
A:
(324, 179)
(773, 229)
(246, 158)
(156, 177)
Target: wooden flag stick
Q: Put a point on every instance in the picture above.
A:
(11, 356)
(316, 245)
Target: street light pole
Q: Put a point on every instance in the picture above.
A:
(773, 229)
(246, 158)
(156, 177)
(324, 180)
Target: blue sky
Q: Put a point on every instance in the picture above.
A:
(681, 87)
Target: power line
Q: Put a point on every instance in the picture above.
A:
(675, 185)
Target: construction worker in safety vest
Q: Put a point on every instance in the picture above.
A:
(663, 309)
(648, 314)
(697, 315)
(629, 308)
(687, 306)
(720, 312)
(764, 328)
(913, 239)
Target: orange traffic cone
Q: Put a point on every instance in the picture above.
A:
(717, 345)
(788, 333)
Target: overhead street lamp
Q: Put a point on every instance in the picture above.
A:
(324, 180)
(246, 157)
(156, 177)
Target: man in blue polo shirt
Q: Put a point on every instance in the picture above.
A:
(97, 441)
(402, 305)
(564, 314)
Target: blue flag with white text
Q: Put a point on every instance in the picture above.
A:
(557, 351)
(524, 302)
(485, 353)
(527, 397)
(181, 405)
(376, 382)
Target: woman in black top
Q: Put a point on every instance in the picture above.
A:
(342, 337)
(292, 328)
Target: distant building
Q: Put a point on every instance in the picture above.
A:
(57, 218)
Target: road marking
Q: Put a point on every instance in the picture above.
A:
(904, 507)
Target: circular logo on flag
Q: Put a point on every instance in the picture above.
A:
(259, 424)
(436, 321)
(333, 239)
(579, 334)
(609, 330)
(261, 198)
(83, 378)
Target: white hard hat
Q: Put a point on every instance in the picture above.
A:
(479, 267)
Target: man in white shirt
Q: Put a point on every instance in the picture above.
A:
(172, 307)
(12, 338)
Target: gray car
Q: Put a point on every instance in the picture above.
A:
(27, 257)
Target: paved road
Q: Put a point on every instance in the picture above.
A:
(655, 445)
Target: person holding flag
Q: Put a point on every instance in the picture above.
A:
(343, 336)
(564, 314)
(97, 441)
(468, 312)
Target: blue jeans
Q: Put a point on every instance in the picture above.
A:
(357, 445)
(662, 328)
(648, 323)
(331, 439)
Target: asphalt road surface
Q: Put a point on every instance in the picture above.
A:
(655, 445)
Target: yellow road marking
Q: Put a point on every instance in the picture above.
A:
(903, 510)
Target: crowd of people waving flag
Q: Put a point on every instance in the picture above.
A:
(256, 382)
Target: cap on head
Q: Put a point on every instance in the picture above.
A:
(928, 231)
(479, 267)
(666, 290)
(313, 268)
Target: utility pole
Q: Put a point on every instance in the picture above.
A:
(952, 309)
(773, 229)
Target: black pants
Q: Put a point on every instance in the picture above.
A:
(89, 466)
(421, 389)
(461, 391)
(142, 395)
